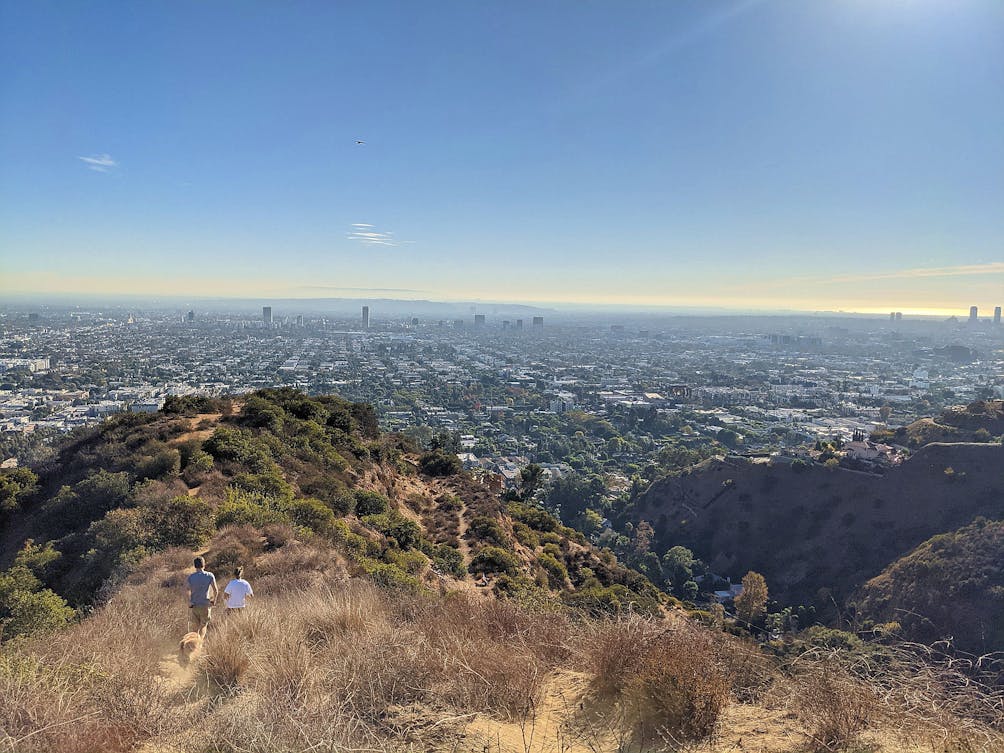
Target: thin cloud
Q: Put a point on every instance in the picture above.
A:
(99, 163)
(368, 235)
(962, 270)
(333, 288)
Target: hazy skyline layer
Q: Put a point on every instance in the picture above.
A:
(841, 155)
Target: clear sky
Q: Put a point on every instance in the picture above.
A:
(833, 154)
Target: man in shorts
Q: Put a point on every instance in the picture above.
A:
(200, 584)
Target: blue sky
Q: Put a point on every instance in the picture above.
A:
(841, 154)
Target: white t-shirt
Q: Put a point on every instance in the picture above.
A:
(238, 590)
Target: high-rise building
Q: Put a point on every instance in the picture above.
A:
(538, 322)
(892, 316)
(899, 316)
(190, 316)
(505, 324)
(266, 315)
(33, 316)
(299, 320)
(973, 313)
(366, 317)
(414, 321)
(519, 324)
(479, 320)
(997, 315)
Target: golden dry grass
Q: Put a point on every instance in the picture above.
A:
(321, 661)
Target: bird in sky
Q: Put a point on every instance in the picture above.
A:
(360, 142)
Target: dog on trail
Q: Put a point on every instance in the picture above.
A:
(190, 647)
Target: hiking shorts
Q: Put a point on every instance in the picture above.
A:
(201, 616)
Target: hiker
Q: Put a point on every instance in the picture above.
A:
(237, 591)
(200, 583)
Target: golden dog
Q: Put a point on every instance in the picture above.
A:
(190, 647)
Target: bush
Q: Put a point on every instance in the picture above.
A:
(389, 576)
(557, 573)
(488, 530)
(836, 707)
(25, 607)
(448, 561)
(439, 463)
(393, 525)
(310, 513)
(535, 517)
(677, 691)
(243, 508)
(493, 559)
(669, 683)
(525, 535)
(183, 521)
(370, 503)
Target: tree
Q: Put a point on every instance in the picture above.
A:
(530, 478)
(439, 463)
(572, 495)
(678, 565)
(751, 604)
(884, 413)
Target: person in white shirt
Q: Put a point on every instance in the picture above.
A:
(237, 592)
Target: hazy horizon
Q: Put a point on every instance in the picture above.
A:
(741, 156)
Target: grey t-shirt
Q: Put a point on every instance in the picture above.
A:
(199, 583)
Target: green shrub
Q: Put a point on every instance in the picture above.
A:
(525, 535)
(183, 521)
(556, 571)
(535, 517)
(412, 561)
(16, 485)
(25, 607)
(243, 508)
(389, 576)
(392, 524)
(439, 463)
(448, 561)
(493, 559)
(311, 514)
(370, 503)
(489, 530)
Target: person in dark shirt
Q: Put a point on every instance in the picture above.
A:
(200, 603)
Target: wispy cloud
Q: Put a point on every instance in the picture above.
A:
(339, 289)
(990, 268)
(368, 235)
(99, 163)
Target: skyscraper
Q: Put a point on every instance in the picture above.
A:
(266, 315)
(997, 315)
(366, 317)
(973, 314)
(479, 320)
(538, 322)
(190, 316)
(899, 316)
(892, 316)
(519, 324)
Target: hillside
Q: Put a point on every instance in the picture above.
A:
(952, 585)
(140, 483)
(819, 533)
(980, 421)
(325, 660)
(372, 629)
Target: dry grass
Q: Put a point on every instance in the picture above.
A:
(922, 695)
(669, 684)
(320, 661)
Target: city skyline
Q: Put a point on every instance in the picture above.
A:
(837, 156)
